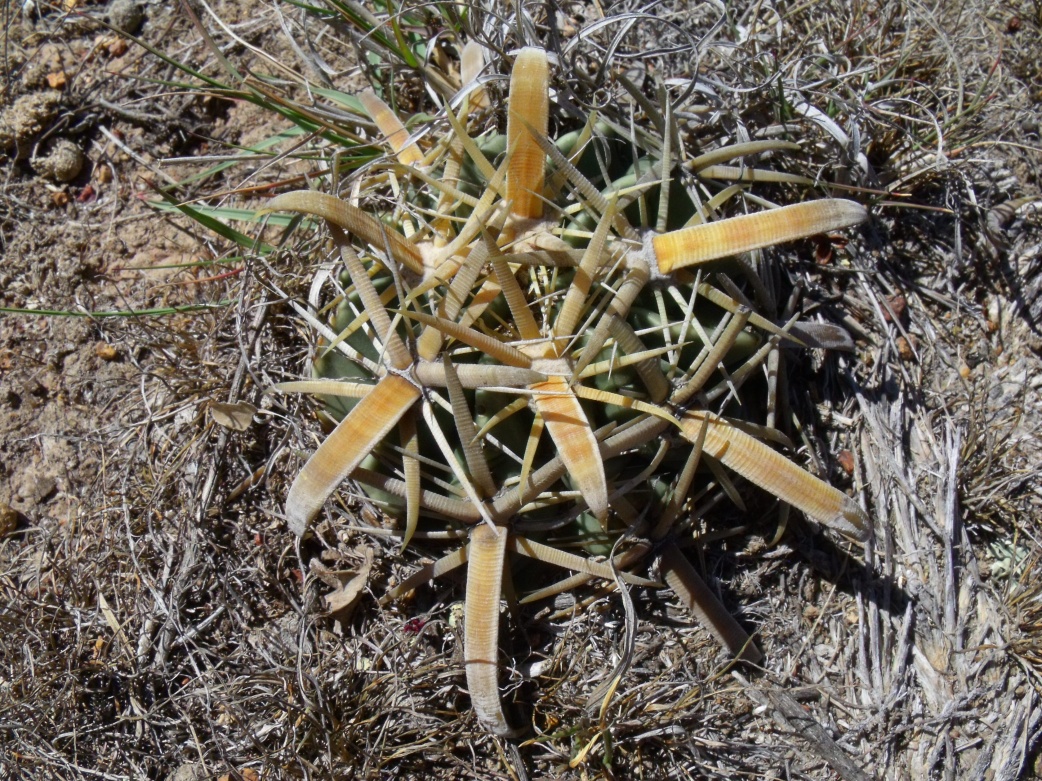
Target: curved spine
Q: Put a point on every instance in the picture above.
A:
(472, 62)
(352, 440)
(577, 446)
(351, 219)
(486, 557)
(392, 128)
(773, 472)
(702, 602)
(529, 112)
(714, 240)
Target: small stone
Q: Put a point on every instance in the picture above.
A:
(106, 351)
(103, 174)
(126, 15)
(897, 305)
(846, 461)
(62, 161)
(118, 47)
(56, 80)
(964, 371)
(246, 773)
(189, 771)
(60, 198)
(8, 519)
(994, 313)
(905, 348)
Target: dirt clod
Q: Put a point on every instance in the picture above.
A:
(61, 161)
(26, 119)
(117, 47)
(190, 771)
(126, 15)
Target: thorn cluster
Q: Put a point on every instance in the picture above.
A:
(527, 347)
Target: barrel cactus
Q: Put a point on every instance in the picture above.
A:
(536, 344)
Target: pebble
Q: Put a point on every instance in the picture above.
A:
(905, 348)
(8, 519)
(845, 458)
(898, 305)
(106, 351)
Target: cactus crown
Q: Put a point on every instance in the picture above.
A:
(536, 340)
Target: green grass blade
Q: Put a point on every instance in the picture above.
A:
(212, 223)
(227, 213)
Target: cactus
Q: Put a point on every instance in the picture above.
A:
(524, 348)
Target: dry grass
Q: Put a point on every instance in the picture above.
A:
(173, 621)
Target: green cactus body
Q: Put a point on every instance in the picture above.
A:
(657, 316)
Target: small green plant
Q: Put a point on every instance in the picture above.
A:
(538, 344)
